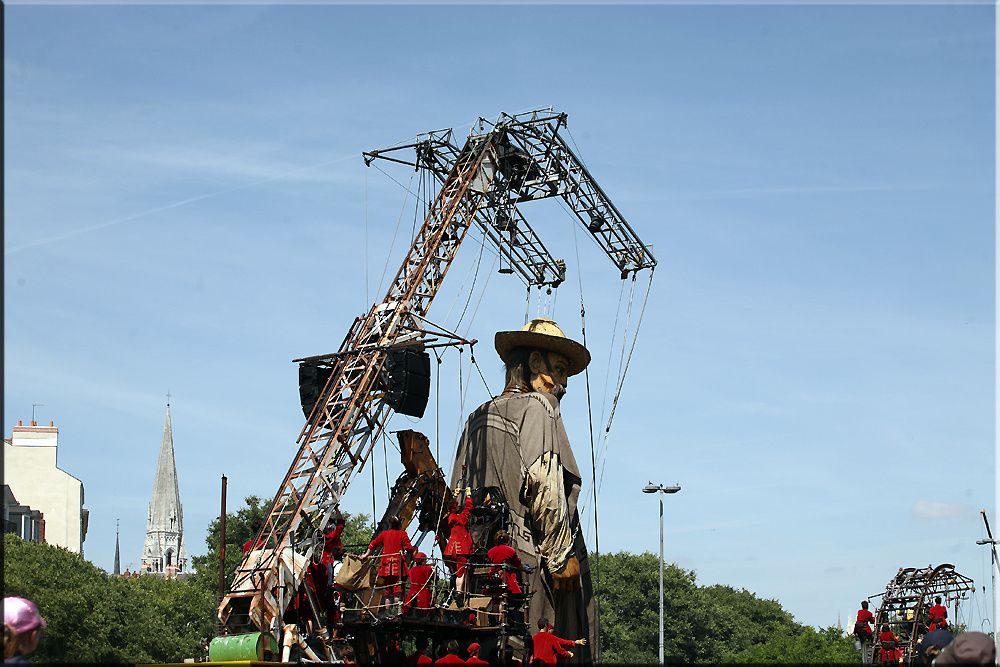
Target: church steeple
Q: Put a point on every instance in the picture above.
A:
(118, 559)
(163, 552)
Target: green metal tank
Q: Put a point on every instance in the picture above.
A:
(242, 647)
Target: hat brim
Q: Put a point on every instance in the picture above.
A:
(577, 355)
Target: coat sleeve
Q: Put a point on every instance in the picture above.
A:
(549, 510)
(549, 488)
(558, 646)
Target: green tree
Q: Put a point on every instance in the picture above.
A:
(93, 617)
(806, 646)
(710, 624)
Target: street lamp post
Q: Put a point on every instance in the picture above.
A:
(660, 489)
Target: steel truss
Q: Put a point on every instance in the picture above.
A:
(535, 162)
(518, 158)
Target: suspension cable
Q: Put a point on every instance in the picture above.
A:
(392, 244)
(593, 457)
(364, 207)
(621, 384)
(437, 410)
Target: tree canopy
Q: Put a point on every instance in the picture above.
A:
(702, 624)
(96, 618)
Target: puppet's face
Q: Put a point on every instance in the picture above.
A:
(548, 372)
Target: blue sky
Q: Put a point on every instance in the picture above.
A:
(186, 210)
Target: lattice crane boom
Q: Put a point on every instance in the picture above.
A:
(337, 438)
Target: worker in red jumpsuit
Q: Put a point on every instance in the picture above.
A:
(503, 554)
(548, 648)
(420, 583)
(420, 657)
(474, 658)
(333, 548)
(456, 552)
(937, 615)
(889, 651)
(395, 545)
(862, 628)
(451, 657)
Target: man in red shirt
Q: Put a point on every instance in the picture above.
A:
(420, 657)
(451, 657)
(456, 552)
(889, 651)
(420, 587)
(474, 658)
(937, 615)
(503, 554)
(395, 545)
(862, 629)
(333, 548)
(548, 647)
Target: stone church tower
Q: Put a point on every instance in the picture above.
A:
(163, 552)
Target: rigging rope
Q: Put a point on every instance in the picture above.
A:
(593, 459)
(395, 232)
(472, 289)
(364, 197)
(374, 514)
(385, 460)
(437, 410)
(603, 436)
(482, 293)
(628, 362)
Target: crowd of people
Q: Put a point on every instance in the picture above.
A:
(546, 649)
(406, 580)
(935, 645)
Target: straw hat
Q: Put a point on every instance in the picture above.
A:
(542, 333)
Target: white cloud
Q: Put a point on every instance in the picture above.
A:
(926, 509)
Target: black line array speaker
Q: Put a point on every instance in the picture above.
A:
(312, 379)
(409, 381)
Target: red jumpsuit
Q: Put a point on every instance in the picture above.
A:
(420, 587)
(459, 541)
(419, 659)
(332, 544)
(475, 660)
(548, 648)
(392, 565)
(449, 659)
(937, 615)
(864, 618)
(505, 554)
(891, 654)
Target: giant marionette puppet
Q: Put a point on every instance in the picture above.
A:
(517, 443)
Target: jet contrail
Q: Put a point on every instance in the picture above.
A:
(167, 207)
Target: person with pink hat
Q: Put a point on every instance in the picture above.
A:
(22, 629)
